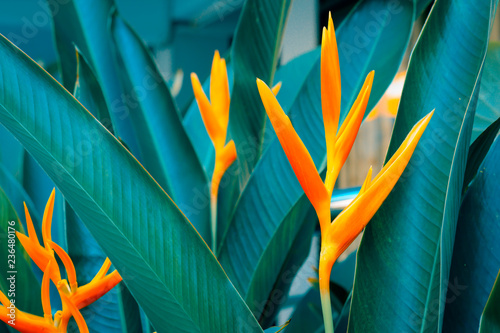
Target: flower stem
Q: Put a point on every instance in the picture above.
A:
(326, 305)
(213, 213)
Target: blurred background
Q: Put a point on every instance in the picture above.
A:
(183, 35)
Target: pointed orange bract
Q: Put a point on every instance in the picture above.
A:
(295, 150)
(73, 297)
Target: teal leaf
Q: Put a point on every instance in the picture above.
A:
(84, 23)
(476, 254)
(488, 105)
(25, 290)
(163, 260)
(489, 320)
(478, 151)
(88, 91)
(166, 149)
(407, 247)
(254, 54)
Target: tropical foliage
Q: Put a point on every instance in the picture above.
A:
(208, 214)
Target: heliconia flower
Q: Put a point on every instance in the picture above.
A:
(336, 236)
(73, 297)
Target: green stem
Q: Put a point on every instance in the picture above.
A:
(326, 305)
(213, 222)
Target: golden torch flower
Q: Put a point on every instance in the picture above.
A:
(337, 235)
(73, 297)
(215, 115)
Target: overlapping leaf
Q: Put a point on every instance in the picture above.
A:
(151, 243)
(407, 246)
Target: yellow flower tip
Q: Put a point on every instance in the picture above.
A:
(219, 91)
(47, 220)
(103, 270)
(45, 289)
(31, 228)
(366, 183)
(276, 88)
(68, 264)
(296, 152)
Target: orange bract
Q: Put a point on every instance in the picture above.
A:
(73, 297)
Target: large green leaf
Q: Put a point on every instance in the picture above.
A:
(404, 259)
(11, 154)
(26, 290)
(490, 322)
(488, 105)
(166, 149)
(476, 254)
(267, 218)
(162, 259)
(255, 53)
(85, 23)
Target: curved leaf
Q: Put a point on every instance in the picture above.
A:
(167, 152)
(26, 291)
(490, 320)
(408, 244)
(133, 220)
(254, 53)
(262, 221)
(88, 91)
(476, 254)
(84, 23)
(488, 105)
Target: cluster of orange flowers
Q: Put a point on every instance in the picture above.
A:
(73, 297)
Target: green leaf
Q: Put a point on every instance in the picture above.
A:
(26, 289)
(254, 54)
(476, 258)
(490, 322)
(167, 152)
(408, 245)
(84, 23)
(88, 92)
(268, 216)
(11, 154)
(163, 260)
(488, 105)
(478, 151)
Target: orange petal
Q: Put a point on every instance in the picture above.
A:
(297, 154)
(68, 264)
(367, 181)
(219, 92)
(223, 159)
(39, 255)
(47, 310)
(207, 114)
(348, 132)
(351, 221)
(75, 312)
(27, 323)
(103, 270)
(92, 291)
(330, 91)
(31, 229)
(276, 88)
(47, 220)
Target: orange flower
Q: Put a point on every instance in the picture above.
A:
(336, 236)
(73, 297)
